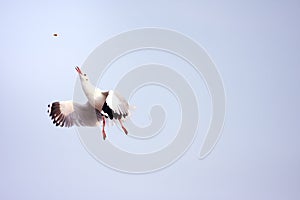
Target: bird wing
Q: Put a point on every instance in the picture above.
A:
(69, 113)
(115, 106)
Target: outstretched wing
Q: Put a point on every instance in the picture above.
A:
(69, 113)
(115, 106)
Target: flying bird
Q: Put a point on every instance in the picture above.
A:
(101, 105)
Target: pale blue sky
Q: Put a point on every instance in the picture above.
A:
(255, 46)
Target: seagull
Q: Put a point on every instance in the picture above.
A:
(101, 105)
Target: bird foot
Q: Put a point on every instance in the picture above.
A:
(124, 129)
(104, 135)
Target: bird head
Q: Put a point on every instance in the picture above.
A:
(82, 76)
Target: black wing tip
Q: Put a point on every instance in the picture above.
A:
(55, 114)
(112, 114)
(107, 110)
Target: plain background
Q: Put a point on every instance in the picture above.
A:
(255, 45)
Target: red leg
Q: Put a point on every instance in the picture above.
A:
(103, 126)
(124, 129)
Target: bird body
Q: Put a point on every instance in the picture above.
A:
(93, 94)
(100, 105)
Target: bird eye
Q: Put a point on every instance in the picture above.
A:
(84, 74)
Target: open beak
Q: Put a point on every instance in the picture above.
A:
(78, 70)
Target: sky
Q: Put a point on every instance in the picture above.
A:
(255, 46)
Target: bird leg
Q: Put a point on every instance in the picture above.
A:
(103, 126)
(124, 129)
